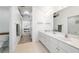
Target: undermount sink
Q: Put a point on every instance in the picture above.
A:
(67, 39)
(73, 40)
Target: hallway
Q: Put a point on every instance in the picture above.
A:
(31, 47)
(26, 45)
(25, 39)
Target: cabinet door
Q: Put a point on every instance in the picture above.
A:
(49, 42)
(68, 48)
(52, 45)
(60, 50)
(44, 39)
(41, 37)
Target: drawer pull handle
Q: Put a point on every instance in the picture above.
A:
(58, 49)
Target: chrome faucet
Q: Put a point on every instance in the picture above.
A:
(66, 35)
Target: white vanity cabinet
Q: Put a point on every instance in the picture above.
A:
(56, 46)
(46, 41)
(68, 48)
(50, 43)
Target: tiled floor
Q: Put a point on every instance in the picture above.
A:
(31, 47)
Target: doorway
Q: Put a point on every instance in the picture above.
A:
(26, 13)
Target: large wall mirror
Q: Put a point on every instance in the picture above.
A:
(67, 21)
(60, 24)
(73, 25)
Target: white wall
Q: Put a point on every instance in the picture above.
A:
(15, 19)
(42, 19)
(4, 19)
(64, 14)
(4, 23)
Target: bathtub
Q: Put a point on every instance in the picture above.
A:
(3, 38)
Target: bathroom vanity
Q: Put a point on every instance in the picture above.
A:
(58, 43)
(64, 35)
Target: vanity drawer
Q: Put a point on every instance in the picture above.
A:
(60, 50)
(52, 45)
(68, 48)
(43, 39)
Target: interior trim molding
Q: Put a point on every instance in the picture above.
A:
(4, 33)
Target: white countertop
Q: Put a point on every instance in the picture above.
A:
(71, 41)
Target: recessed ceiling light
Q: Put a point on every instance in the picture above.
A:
(26, 12)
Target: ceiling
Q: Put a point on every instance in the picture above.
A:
(24, 9)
